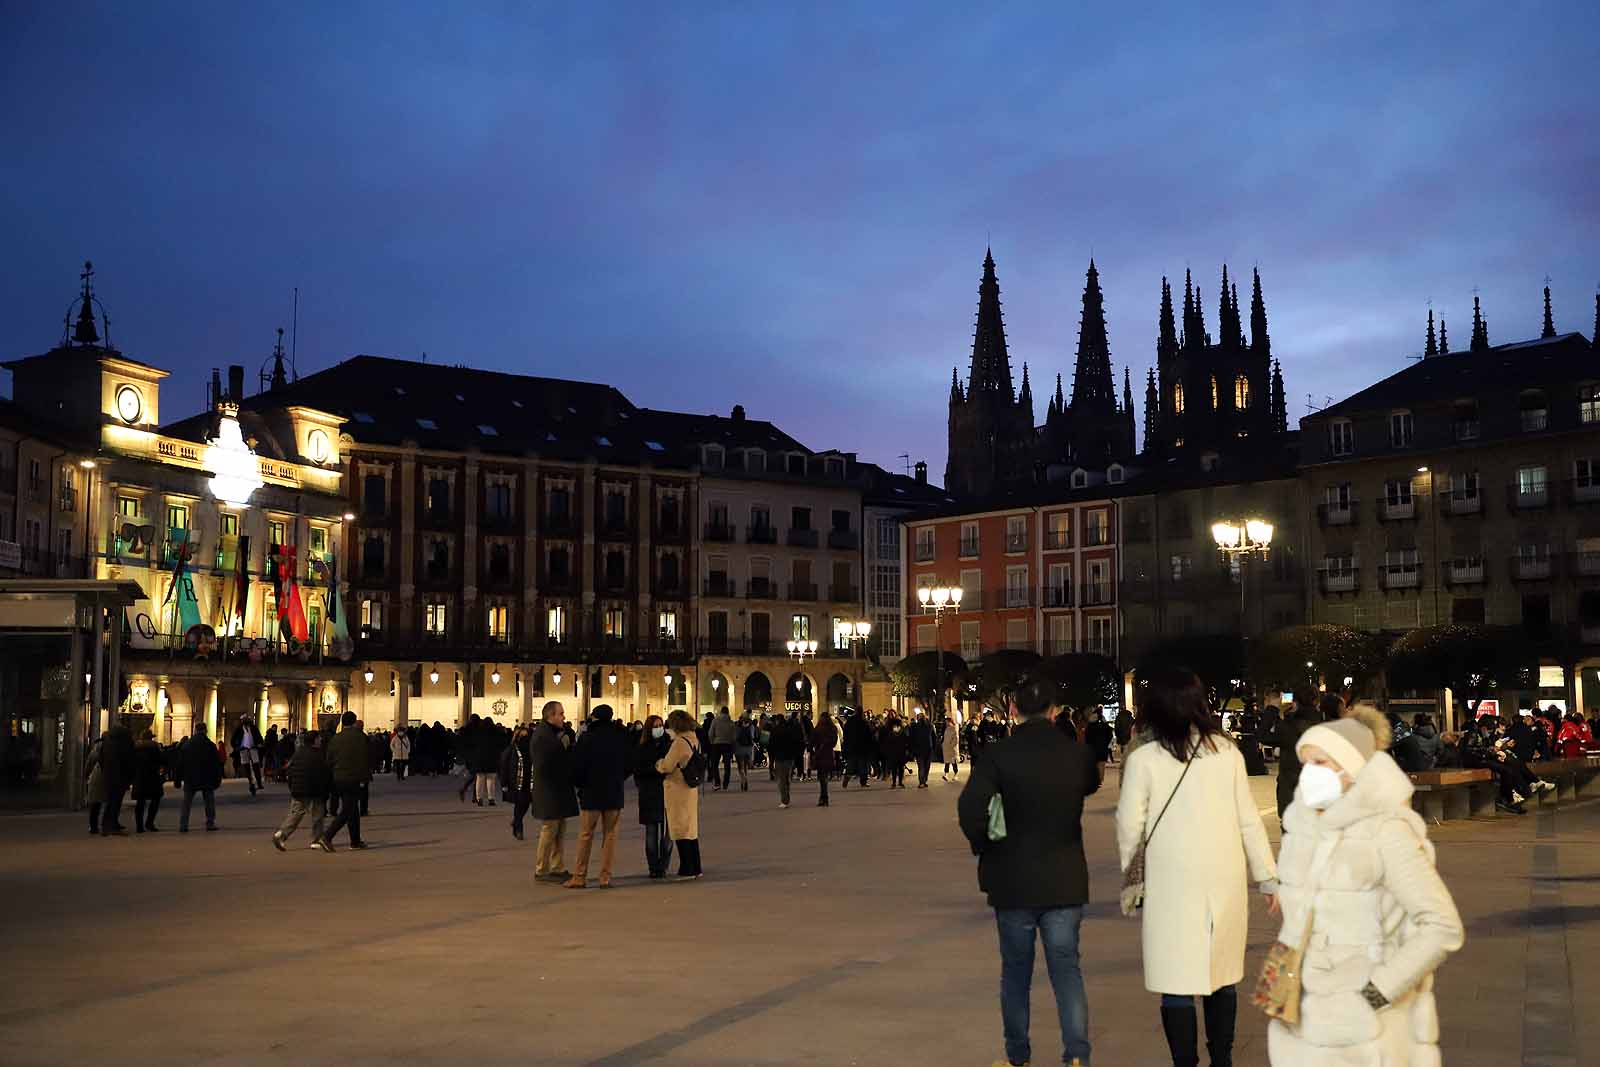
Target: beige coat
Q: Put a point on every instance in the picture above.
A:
(1362, 874)
(1198, 866)
(683, 802)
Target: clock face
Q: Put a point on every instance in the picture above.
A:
(129, 404)
(317, 445)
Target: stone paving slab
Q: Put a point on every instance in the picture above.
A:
(847, 935)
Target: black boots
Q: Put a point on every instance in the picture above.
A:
(1183, 1035)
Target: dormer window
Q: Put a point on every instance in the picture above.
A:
(1535, 412)
(797, 464)
(834, 468)
(1114, 474)
(1080, 478)
(1465, 420)
(1341, 437)
(711, 456)
(755, 461)
(1402, 429)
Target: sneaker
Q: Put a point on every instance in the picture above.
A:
(781, 804)
(324, 844)
(1517, 798)
(360, 846)
(277, 842)
(1543, 786)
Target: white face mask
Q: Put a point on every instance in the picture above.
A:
(1320, 786)
(658, 731)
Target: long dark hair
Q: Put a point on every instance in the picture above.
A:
(1173, 710)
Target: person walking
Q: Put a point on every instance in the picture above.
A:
(652, 747)
(786, 744)
(1098, 736)
(600, 770)
(95, 792)
(400, 752)
(950, 745)
(310, 781)
(1036, 877)
(246, 746)
(519, 777)
(200, 770)
(824, 739)
(744, 749)
(1296, 721)
(554, 800)
(892, 744)
(1361, 892)
(682, 799)
(859, 748)
(1185, 800)
(723, 735)
(149, 776)
(350, 765)
(117, 767)
(920, 741)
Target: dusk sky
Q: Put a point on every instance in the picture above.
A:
(786, 206)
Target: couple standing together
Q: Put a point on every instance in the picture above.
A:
(1356, 884)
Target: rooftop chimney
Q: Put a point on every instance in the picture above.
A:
(235, 382)
(216, 387)
(922, 472)
(738, 413)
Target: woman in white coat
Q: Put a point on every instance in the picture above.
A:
(1357, 869)
(1201, 855)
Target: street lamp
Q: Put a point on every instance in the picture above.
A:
(1240, 540)
(801, 649)
(367, 674)
(433, 675)
(611, 677)
(936, 600)
(494, 676)
(556, 677)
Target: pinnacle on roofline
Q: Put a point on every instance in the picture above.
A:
(1549, 320)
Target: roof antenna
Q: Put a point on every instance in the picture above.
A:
(294, 337)
(906, 462)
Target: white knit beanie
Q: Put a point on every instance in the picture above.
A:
(1351, 741)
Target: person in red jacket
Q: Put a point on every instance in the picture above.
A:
(1575, 737)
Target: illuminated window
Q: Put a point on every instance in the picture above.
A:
(230, 524)
(435, 621)
(614, 623)
(177, 517)
(1177, 399)
(1241, 392)
(1213, 392)
(498, 619)
(667, 625)
(275, 532)
(556, 623)
(128, 507)
(319, 539)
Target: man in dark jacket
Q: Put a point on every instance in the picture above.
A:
(309, 783)
(553, 800)
(599, 767)
(149, 771)
(1036, 876)
(1296, 721)
(200, 770)
(787, 741)
(1097, 735)
(116, 770)
(920, 739)
(858, 747)
(350, 764)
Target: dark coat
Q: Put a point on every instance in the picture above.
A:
(553, 795)
(516, 768)
(788, 743)
(1286, 737)
(349, 758)
(200, 764)
(309, 776)
(149, 770)
(919, 735)
(652, 798)
(1042, 776)
(823, 740)
(892, 743)
(1097, 735)
(600, 766)
(116, 758)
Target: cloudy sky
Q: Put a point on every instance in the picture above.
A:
(786, 205)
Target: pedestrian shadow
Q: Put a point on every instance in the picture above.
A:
(1541, 918)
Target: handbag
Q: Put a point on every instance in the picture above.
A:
(997, 818)
(1133, 875)
(1278, 988)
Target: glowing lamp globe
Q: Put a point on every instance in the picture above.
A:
(235, 472)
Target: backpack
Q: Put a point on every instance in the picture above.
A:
(745, 737)
(694, 770)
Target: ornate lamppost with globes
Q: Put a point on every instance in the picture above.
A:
(1241, 540)
(936, 600)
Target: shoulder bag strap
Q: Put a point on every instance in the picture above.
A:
(1148, 834)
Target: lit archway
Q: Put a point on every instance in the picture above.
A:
(838, 692)
(758, 693)
(716, 691)
(798, 694)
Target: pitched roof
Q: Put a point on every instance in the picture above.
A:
(1503, 367)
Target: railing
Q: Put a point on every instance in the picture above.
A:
(1466, 429)
(1392, 510)
(436, 519)
(1530, 497)
(1468, 570)
(434, 576)
(1100, 645)
(499, 578)
(844, 594)
(1535, 419)
(803, 538)
(969, 548)
(802, 590)
(1178, 527)
(668, 531)
(498, 521)
(1400, 576)
(1097, 593)
(1016, 542)
(1017, 598)
(1056, 596)
(844, 540)
(1532, 568)
(613, 583)
(740, 646)
(761, 535)
(1586, 564)
(1337, 513)
(670, 588)
(761, 589)
(374, 511)
(720, 585)
(1338, 581)
(616, 528)
(1094, 536)
(720, 532)
(67, 499)
(1057, 540)
(1583, 493)
(374, 571)
(54, 565)
(924, 552)
(1462, 502)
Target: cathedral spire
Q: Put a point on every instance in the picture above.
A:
(955, 387)
(84, 333)
(1432, 349)
(1152, 405)
(1167, 339)
(1061, 400)
(1480, 329)
(280, 377)
(1238, 319)
(1258, 318)
(1280, 406)
(1093, 388)
(1025, 399)
(1549, 320)
(1444, 338)
(991, 364)
(1188, 309)
(1127, 390)
(1594, 339)
(1197, 332)
(1225, 329)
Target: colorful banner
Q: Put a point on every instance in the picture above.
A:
(186, 613)
(337, 628)
(291, 613)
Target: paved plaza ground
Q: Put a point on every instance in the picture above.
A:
(846, 935)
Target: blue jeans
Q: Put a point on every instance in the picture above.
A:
(1059, 929)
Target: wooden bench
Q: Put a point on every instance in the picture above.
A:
(1453, 794)
(1571, 776)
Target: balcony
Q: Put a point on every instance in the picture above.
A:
(844, 594)
(1178, 527)
(1586, 564)
(67, 499)
(35, 493)
(1338, 581)
(802, 590)
(1057, 540)
(1013, 597)
(1400, 576)
(499, 578)
(1056, 596)
(1464, 571)
(375, 511)
(374, 571)
(1529, 497)
(667, 586)
(1531, 568)
(1016, 542)
(803, 538)
(761, 589)
(1466, 429)
(1583, 492)
(844, 540)
(1535, 419)
(1394, 510)
(55, 565)
(764, 534)
(924, 552)
(969, 548)
(1337, 512)
(1095, 536)
(557, 582)
(720, 585)
(721, 532)
(435, 519)
(614, 584)
(669, 528)
(1095, 594)
(435, 576)
(560, 525)
(1462, 502)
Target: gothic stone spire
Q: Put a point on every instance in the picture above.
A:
(1549, 321)
(1026, 397)
(84, 333)
(1480, 329)
(1444, 338)
(1167, 339)
(1258, 318)
(991, 364)
(1152, 406)
(1432, 348)
(1093, 388)
(1280, 406)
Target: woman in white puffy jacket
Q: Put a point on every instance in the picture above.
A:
(1358, 870)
